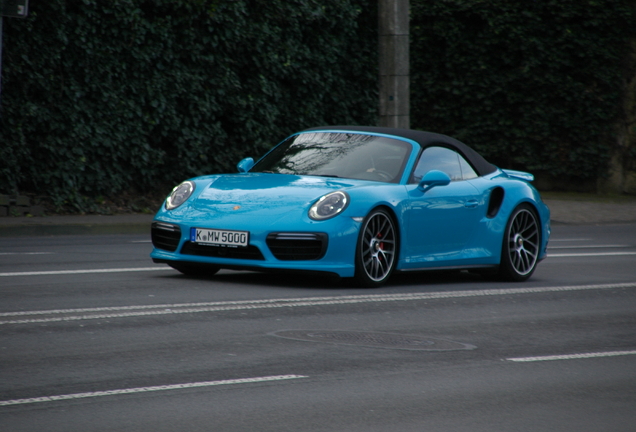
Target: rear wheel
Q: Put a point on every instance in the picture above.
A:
(521, 244)
(193, 269)
(376, 251)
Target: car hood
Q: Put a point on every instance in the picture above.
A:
(269, 194)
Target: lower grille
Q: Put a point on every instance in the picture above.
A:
(297, 246)
(249, 253)
(165, 236)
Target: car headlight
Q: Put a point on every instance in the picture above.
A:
(329, 206)
(179, 195)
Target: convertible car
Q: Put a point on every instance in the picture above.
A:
(358, 202)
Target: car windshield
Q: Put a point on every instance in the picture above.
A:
(342, 155)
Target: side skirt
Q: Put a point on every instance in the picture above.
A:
(254, 269)
(468, 267)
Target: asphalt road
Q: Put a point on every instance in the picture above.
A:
(94, 337)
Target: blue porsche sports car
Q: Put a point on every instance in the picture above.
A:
(358, 202)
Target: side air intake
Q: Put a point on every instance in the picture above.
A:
(494, 203)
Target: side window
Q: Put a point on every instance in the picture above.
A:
(438, 158)
(467, 171)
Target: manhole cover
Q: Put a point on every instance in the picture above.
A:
(374, 340)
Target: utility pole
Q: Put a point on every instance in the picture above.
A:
(393, 29)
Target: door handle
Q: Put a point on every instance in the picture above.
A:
(471, 203)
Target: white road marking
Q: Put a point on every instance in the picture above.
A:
(27, 253)
(599, 254)
(569, 240)
(64, 272)
(182, 308)
(573, 356)
(141, 241)
(142, 269)
(148, 389)
(588, 247)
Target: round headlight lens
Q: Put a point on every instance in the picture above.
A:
(329, 206)
(179, 195)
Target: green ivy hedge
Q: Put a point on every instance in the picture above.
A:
(104, 96)
(534, 85)
(100, 97)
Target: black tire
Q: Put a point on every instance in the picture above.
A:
(193, 269)
(521, 245)
(376, 251)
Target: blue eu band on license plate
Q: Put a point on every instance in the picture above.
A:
(219, 237)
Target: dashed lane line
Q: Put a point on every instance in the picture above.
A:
(589, 247)
(572, 356)
(148, 389)
(162, 268)
(66, 272)
(27, 253)
(584, 254)
(45, 316)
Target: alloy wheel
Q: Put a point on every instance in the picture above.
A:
(523, 242)
(378, 246)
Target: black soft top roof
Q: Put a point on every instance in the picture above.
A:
(424, 139)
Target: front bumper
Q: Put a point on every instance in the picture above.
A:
(327, 246)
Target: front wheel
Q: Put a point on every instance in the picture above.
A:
(376, 251)
(521, 245)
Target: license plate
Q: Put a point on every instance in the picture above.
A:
(219, 237)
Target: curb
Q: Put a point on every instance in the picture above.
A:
(75, 225)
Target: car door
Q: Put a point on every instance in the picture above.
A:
(441, 221)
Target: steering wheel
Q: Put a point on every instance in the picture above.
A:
(383, 175)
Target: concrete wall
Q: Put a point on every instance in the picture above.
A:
(622, 170)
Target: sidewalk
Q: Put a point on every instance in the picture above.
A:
(71, 225)
(570, 212)
(590, 212)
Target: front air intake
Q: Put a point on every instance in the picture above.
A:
(297, 246)
(165, 236)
